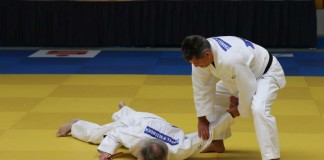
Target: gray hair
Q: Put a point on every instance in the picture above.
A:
(154, 149)
(194, 46)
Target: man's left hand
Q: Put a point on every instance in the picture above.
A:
(233, 108)
(234, 101)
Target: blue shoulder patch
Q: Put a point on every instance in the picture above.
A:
(248, 43)
(224, 45)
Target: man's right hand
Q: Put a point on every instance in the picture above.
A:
(104, 156)
(203, 128)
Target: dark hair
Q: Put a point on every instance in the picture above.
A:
(194, 46)
(154, 149)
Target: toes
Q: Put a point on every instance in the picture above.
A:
(121, 104)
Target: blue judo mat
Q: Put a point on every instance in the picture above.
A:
(310, 63)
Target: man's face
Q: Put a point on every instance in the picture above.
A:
(203, 62)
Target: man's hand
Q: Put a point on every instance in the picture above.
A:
(203, 128)
(234, 101)
(107, 156)
(233, 108)
(104, 156)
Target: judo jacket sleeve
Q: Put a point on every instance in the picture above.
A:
(246, 85)
(111, 142)
(204, 90)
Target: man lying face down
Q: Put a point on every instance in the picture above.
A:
(146, 135)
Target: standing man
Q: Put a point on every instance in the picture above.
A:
(248, 74)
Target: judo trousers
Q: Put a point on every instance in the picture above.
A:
(264, 123)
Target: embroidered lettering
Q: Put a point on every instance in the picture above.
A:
(158, 135)
(248, 43)
(224, 45)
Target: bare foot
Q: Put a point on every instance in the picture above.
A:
(215, 146)
(121, 104)
(66, 128)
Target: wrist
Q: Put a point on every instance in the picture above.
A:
(202, 118)
(231, 114)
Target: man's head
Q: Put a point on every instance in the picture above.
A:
(153, 149)
(196, 50)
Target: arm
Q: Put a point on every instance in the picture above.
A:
(110, 144)
(246, 84)
(204, 89)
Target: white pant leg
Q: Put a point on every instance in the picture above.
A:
(192, 144)
(222, 103)
(90, 132)
(264, 123)
(93, 133)
(222, 127)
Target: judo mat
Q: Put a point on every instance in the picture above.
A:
(38, 95)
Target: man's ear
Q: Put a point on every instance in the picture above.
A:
(208, 53)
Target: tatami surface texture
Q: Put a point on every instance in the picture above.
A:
(32, 108)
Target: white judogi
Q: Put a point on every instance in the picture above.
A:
(239, 64)
(130, 127)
